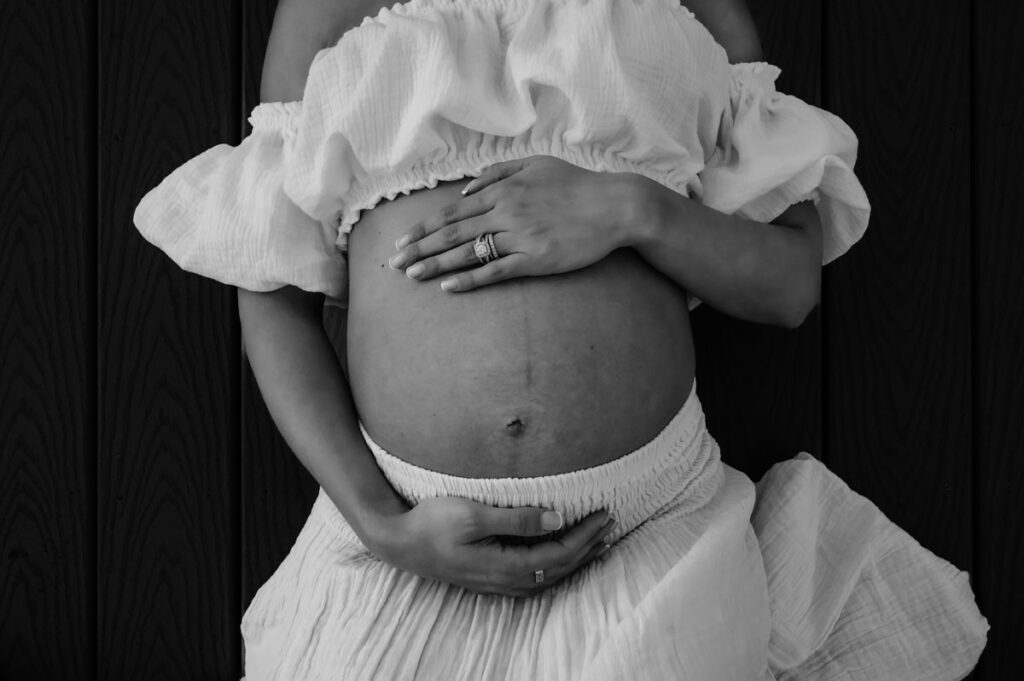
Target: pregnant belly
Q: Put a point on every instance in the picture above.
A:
(532, 376)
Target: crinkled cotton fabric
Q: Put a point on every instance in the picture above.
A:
(437, 90)
(709, 579)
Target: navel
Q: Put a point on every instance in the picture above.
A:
(515, 427)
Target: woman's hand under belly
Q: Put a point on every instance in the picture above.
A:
(532, 376)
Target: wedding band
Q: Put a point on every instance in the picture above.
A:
(492, 247)
(538, 576)
(484, 248)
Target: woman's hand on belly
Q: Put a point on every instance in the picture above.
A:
(547, 216)
(453, 540)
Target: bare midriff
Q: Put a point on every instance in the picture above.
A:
(528, 377)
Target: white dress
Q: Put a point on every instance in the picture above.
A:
(710, 577)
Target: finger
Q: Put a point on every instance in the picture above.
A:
(499, 568)
(507, 581)
(445, 239)
(570, 548)
(508, 267)
(558, 574)
(596, 541)
(557, 553)
(579, 557)
(597, 551)
(493, 173)
(458, 258)
(517, 522)
(453, 212)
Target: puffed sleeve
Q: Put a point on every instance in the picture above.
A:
(224, 214)
(775, 150)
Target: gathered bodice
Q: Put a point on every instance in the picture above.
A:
(437, 90)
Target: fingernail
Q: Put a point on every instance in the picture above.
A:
(466, 188)
(415, 271)
(403, 242)
(396, 261)
(551, 520)
(448, 285)
(604, 549)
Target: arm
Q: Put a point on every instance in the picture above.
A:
(310, 401)
(292, 359)
(764, 273)
(768, 273)
(446, 539)
(729, 21)
(552, 217)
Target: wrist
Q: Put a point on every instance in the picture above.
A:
(645, 211)
(633, 209)
(373, 513)
(382, 531)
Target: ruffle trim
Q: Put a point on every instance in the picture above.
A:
(279, 115)
(749, 78)
(275, 115)
(806, 515)
(760, 74)
(472, 163)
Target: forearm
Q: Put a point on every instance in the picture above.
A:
(767, 273)
(733, 28)
(310, 401)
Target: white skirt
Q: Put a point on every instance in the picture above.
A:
(709, 578)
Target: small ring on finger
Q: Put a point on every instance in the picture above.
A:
(484, 248)
(538, 576)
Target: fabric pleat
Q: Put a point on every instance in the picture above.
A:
(709, 578)
(438, 90)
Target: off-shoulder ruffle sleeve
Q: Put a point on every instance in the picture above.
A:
(224, 214)
(775, 150)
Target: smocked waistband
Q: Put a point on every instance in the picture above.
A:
(679, 467)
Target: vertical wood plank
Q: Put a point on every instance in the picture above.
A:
(168, 369)
(761, 385)
(998, 137)
(897, 312)
(276, 491)
(47, 340)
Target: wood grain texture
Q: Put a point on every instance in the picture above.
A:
(998, 138)
(47, 347)
(897, 317)
(277, 492)
(132, 534)
(760, 385)
(168, 356)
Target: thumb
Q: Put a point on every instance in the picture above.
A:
(520, 522)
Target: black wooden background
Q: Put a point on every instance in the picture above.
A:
(144, 492)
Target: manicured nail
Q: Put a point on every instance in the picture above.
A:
(466, 188)
(551, 520)
(415, 271)
(604, 549)
(449, 285)
(403, 242)
(397, 261)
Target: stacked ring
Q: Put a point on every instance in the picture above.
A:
(484, 248)
(538, 576)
